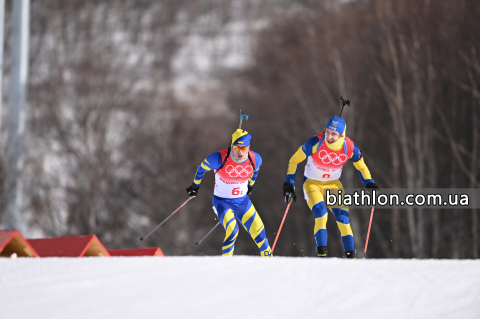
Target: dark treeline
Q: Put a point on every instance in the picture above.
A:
(113, 144)
(411, 68)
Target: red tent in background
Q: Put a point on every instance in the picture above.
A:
(152, 251)
(11, 241)
(73, 246)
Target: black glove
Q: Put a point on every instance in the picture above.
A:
(373, 186)
(249, 192)
(192, 190)
(289, 192)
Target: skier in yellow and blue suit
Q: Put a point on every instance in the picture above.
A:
(236, 170)
(327, 153)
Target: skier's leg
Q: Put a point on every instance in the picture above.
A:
(314, 197)
(227, 218)
(254, 226)
(231, 229)
(343, 222)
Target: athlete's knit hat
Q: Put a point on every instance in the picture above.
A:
(337, 124)
(241, 137)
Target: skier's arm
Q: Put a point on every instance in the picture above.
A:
(258, 162)
(213, 161)
(302, 153)
(360, 165)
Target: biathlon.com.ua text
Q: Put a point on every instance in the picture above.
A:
(389, 198)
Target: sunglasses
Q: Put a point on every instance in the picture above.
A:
(240, 148)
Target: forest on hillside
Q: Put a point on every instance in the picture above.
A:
(126, 98)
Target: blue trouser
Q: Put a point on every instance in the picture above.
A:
(229, 210)
(313, 191)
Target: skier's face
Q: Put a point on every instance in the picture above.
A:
(240, 152)
(331, 136)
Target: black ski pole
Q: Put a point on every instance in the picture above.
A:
(143, 238)
(199, 242)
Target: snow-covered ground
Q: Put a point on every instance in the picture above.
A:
(238, 287)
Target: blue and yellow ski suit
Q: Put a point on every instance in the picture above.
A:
(322, 171)
(230, 199)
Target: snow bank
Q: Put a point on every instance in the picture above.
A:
(238, 287)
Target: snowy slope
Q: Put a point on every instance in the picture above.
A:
(238, 287)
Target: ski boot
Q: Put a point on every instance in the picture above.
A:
(322, 251)
(351, 254)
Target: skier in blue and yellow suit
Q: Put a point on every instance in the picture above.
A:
(236, 170)
(327, 153)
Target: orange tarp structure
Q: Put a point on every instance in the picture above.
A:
(11, 241)
(72, 246)
(152, 251)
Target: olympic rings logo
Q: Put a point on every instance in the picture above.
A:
(332, 158)
(239, 171)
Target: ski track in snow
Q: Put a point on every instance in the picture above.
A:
(238, 287)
